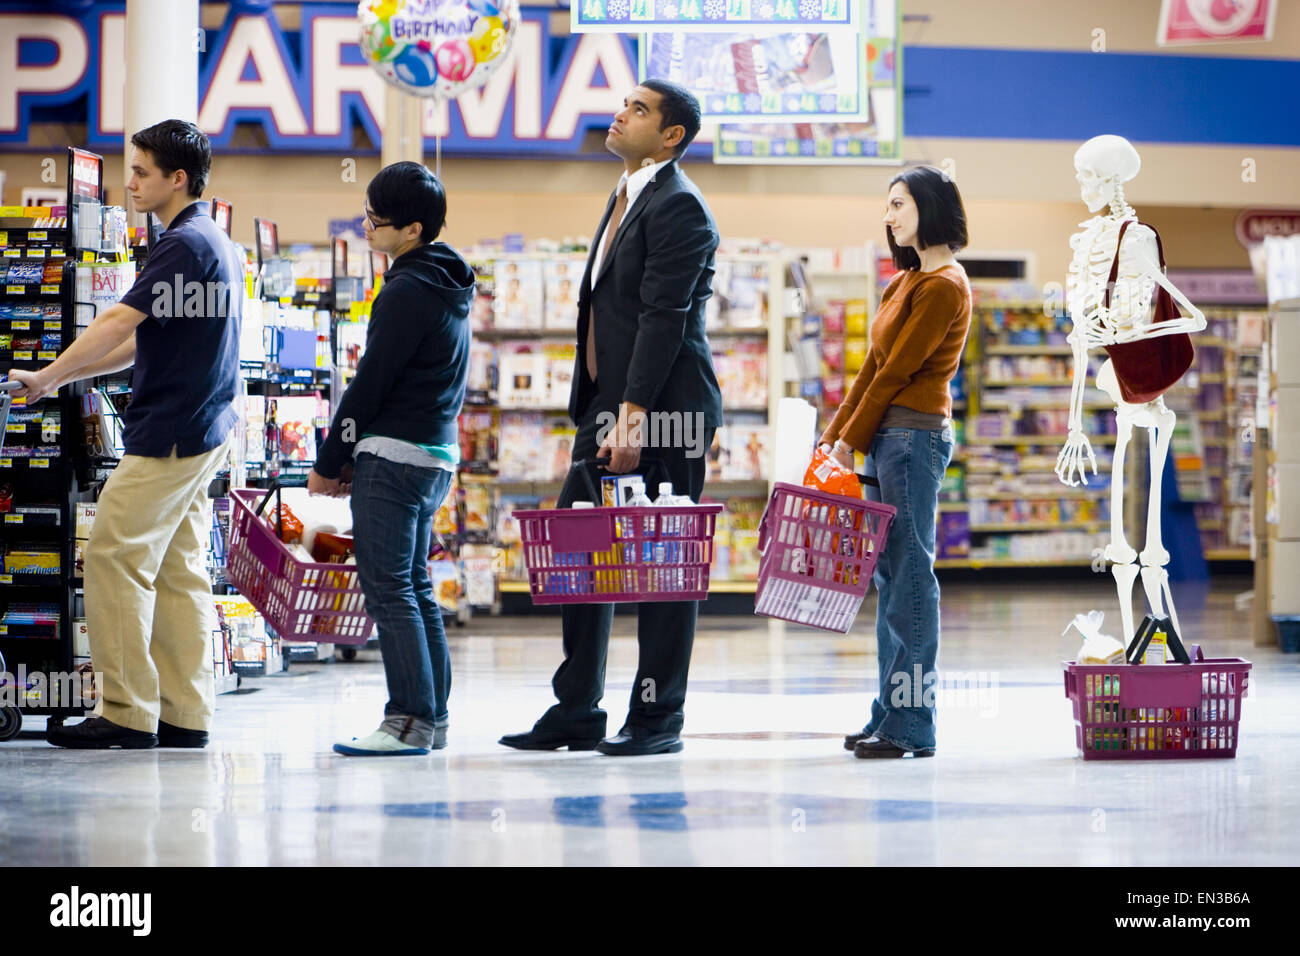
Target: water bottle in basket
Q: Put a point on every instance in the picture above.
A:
(642, 553)
(665, 548)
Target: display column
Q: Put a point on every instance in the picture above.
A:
(163, 39)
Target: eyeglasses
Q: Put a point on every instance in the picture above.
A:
(370, 218)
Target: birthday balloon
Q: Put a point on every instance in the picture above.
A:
(437, 48)
(489, 38)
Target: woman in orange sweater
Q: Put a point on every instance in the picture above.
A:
(897, 413)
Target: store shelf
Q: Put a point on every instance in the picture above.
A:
(979, 563)
(38, 462)
(1038, 526)
(31, 580)
(1036, 440)
(1028, 350)
(757, 333)
(1034, 496)
(1042, 406)
(1013, 382)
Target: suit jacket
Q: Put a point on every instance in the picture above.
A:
(648, 298)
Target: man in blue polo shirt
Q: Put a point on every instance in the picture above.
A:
(149, 612)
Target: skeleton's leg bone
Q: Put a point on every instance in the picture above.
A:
(1151, 584)
(1119, 551)
(1154, 553)
(1169, 601)
(1125, 575)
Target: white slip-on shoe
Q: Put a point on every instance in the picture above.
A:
(379, 744)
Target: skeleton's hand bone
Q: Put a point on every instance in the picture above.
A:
(1075, 458)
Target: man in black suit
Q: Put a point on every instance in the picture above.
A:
(641, 350)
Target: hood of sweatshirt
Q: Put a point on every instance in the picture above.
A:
(440, 267)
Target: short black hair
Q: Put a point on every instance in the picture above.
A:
(941, 217)
(677, 107)
(175, 144)
(408, 192)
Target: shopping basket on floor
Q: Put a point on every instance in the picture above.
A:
(609, 555)
(1154, 711)
(301, 600)
(819, 551)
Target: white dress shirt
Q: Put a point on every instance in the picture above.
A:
(636, 184)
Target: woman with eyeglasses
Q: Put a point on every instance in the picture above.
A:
(393, 444)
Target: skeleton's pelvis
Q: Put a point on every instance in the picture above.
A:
(1108, 382)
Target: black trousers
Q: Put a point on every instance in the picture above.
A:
(665, 630)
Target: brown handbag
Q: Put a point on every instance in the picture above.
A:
(1148, 368)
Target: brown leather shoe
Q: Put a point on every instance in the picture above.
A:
(875, 747)
(851, 740)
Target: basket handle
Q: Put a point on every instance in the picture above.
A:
(763, 532)
(585, 467)
(274, 489)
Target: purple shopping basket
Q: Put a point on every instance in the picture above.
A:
(819, 552)
(1157, 711)
(301, 600)
(607, 555)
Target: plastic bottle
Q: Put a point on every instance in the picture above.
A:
(578, 584)
(638, 499)
(665, 549)
(683, 528)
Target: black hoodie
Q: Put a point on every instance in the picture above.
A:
(410, 383)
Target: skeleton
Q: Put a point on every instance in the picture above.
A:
(1103, 164)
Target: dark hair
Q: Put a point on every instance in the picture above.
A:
(175, 144)
(677, 107)
(941, 217)
(408, 192)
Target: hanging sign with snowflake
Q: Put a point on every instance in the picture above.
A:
(713, 16)
(763, 78)
(878, 140)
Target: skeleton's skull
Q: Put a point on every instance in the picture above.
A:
(1101, 164)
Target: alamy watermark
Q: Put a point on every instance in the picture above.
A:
(684, 430)
(181, 299)
(977, 690)
(70, 689)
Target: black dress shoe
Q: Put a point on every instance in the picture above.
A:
(875, 747)
(547, 740)
(170, 735)
(633, 742)
(851, 740)
(99, 733)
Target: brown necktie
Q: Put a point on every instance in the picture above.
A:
(611, 230)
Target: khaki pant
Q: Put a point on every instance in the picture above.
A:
(149, 612)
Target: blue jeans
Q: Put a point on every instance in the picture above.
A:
(392, 525)
(909, 464)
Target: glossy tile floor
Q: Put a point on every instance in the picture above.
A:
(763, 778)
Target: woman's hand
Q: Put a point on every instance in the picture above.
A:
(1072, 459)
(843, 458)
(331, 487)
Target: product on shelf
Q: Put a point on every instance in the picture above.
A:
(518, 301)
(563, 277)
(741, 368)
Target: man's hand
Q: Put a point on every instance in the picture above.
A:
(35, 384)
(622, 446)
(331, 487)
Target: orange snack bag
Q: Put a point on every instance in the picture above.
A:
(290, 526)
(826, 474)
